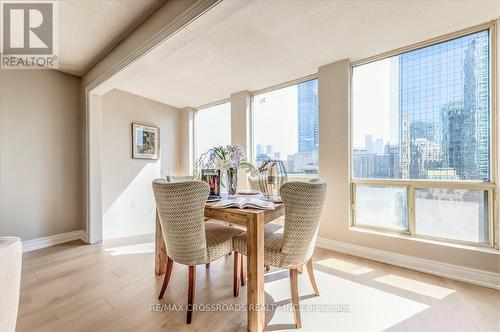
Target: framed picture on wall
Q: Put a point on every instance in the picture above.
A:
(145, 141)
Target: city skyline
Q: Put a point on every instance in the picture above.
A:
(442, 124)
(303, 158)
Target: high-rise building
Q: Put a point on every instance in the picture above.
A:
(260, 149)
(482, 101)
(378, 146)
(369, 143)
(269, 150)
(444, 122)
(308, 116)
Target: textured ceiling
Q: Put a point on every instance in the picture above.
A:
(88, 29)
(250, 45)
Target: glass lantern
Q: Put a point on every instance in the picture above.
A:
(272, 174)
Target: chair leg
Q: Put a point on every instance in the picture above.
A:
(294, 288)
(192, 282)
(207, 265)
(236, 274)
(243, 274)
(166, 278)
(310, 270)
(300, 269)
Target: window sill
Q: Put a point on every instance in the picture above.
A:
(362, 229)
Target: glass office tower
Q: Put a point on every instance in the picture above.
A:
(443, 107)
(308, 116)
(439, 103)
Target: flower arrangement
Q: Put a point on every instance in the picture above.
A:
(227, 159)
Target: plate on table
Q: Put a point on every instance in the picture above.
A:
(248, 192)
(212, 198)
(274, 199)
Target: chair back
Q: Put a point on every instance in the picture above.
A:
(303, 205)
(179, 178)
(181, 209)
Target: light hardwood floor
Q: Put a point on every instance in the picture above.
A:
(111, 287)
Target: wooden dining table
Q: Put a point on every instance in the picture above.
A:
(253, 220)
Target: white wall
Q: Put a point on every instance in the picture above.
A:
(186, 147)
(127, 199)
(241, 128)
(41, 182)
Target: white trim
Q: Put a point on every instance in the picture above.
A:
(450, 271)
(285, 84)
(52, 240)
(179, 22)
(213, 104)
(92, 141)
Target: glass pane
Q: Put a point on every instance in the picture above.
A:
(424, 114)
(458, 214)
(213, 127)
(285, 127)
(382, 206)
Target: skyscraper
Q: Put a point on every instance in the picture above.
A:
(369, 143)
(308, 116)
(378, 146)
(444, 122)
(260, 149)
(269, 150)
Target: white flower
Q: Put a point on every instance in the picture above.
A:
(223, 164)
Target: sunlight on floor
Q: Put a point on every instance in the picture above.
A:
(140, 248)
(369, 308)
(344, 266)
(415, 286)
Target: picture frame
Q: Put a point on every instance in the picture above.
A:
(212, 178)
(145, 141)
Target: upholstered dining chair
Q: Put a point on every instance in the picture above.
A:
(188, 238)
(292, 246)
(184, 178)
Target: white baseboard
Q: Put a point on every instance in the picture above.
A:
(44, 242)
(450, 271)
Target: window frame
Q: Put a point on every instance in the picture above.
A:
(410, 185)
(255, 93)
(195, 122)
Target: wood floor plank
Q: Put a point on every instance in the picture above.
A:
(111, 287)
(482, 304)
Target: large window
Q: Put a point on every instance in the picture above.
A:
(213, 127)
(285, 127)
(421, 138)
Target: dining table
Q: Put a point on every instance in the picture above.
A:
(253, 220)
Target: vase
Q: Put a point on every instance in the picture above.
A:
(232, 181)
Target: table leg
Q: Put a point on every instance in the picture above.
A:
(255, 271)
(160, 249)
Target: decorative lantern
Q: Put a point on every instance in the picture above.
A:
(272, 175)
